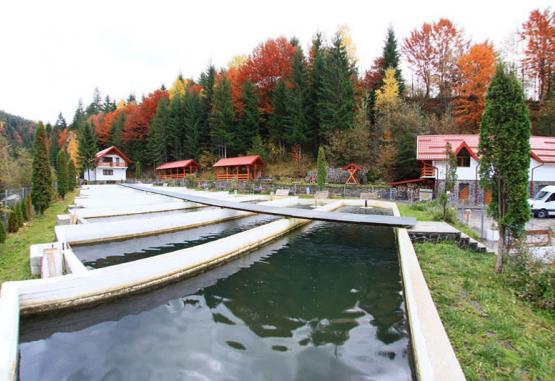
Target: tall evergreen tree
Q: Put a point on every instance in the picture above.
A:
(71, 175)
(61, 174)
(250, 120)
(296, 124)
(60, 122)
(41, 192)
(156, 139)
(504, 149)
(336, 101)
(207, 81)
(391, 59)
(96, 105)
(87, 148)
(114, 137)
(316, 65)
(3, 234)
(222, 117)
(175, 129)
(321, 167)
(78, 117)
(276, 119)
(54, 148)
(192, 105)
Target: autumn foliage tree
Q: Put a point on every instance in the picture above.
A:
(474, 72)
(539, 56)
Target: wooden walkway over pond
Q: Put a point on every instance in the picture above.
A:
(365, 219)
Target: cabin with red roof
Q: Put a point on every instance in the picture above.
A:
(110, 166)
(431, 153)
(239, 168)
(177, 169)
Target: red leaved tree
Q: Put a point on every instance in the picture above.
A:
(539, 56)
(474, 72)
(138, 120)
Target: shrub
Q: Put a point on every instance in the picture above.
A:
(12, 222)
(19, 214)
(24, 210)
(3, 233)
(28, 207)
(531, 280)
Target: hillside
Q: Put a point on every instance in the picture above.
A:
(17, 130)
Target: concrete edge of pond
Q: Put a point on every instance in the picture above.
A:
(116, 231)
(434, 356)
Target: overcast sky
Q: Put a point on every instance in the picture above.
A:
(55, 52)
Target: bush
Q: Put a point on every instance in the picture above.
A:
(12, 222)
(531, 280)
(3, 233)
(24, 210)
(19, 215)
(28, 207)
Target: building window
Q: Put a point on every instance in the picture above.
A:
(463, 158)
(107, 172)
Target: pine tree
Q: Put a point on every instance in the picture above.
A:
(207, 81)
(71, 175)
(114, 137)
(3, 234)
(24, 213)
(54, 148)
(314, 90)
(321, 167)
(222, 117)
(87, 148)
(61, 173)
(276, 119)
(13, 227)
(391, 59)
(504, 149)
(337, 95)
(296, 124)
(192, 106)
(257, 148)
(156, 139)
(19, 214)
(78, 117)
(250, 121)
(41, 192)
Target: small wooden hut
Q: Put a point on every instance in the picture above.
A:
(239, 168)
(177, 169)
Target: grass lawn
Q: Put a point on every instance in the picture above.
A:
(425, 214)
(496, 335)
(14, 253)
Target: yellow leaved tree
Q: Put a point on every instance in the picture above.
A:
(387, 96)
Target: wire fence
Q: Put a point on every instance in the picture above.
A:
(9, 198)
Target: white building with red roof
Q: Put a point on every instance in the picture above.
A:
(110, 166)
(431, 153)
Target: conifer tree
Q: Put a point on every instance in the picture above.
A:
(13, 227)
(321, 167)
(296, 125)
(19, 214)
(250, 121)
(258, 148)
(41, 192)
(114, 137)
(222, 117)
(316, 64)
(207, 81)
(156, 148)
(78, 117)
(192, 105)
(276, 120)
(29, 207)
(24, 213)
(391, 59)
(61, 174)
(71, 175)
(87, 148)
(175, 129)
(504, 149)
(3, 233)
(336, 101)
(54, 148)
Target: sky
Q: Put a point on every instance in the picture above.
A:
(54, 53)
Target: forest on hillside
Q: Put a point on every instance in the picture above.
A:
(284, 102)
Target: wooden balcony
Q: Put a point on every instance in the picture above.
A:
(427, 170)
(111, 164)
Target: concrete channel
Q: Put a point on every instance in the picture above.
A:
(434, 357)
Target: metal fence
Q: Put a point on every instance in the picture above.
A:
(9, 198)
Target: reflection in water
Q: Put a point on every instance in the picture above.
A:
(325, 303)
(113, 253)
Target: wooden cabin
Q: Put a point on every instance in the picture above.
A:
(177, 169)
(110, 166)
(239, 168)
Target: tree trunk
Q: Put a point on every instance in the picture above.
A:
(501, 247)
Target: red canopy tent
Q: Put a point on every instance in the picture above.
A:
(239, 168)
(177, 169)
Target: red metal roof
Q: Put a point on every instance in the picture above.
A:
(432, 147)
(178, 164)
(112, 149)
(241, 160)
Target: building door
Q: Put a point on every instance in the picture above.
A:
(464, 192)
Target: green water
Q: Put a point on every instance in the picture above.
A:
(324, 303)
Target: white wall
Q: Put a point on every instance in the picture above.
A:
(463, 173)
(97, 174)
(544, 173)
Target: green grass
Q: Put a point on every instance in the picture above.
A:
(496, 335)
(14, 253)
(424, 212)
